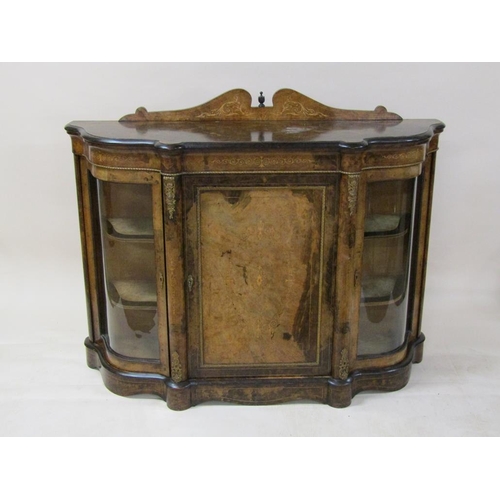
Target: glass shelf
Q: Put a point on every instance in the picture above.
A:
(135, 294)
(381, 290)
(379, 225)
(128, 228)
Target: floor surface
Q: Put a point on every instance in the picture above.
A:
(46, 388)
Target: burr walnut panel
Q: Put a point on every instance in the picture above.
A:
(258, 275)
(256, 311)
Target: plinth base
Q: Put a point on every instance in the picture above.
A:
(254, 391)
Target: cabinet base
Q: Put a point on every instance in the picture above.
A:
(254, 391)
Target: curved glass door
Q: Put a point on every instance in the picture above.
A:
(386, 266)
(126, 216)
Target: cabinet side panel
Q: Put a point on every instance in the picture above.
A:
(260, 265)
(79, 195)
(422, 230)
(94, 257)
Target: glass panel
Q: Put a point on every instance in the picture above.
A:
(386, 260)
(129, 268)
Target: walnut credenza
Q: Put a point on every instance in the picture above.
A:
(255, 254)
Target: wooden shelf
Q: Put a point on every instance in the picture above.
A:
(137, 228)
(381, 225)
(134, 294)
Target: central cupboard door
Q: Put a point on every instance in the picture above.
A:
(260, 253)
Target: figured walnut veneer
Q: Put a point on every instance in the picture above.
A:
(237, 105)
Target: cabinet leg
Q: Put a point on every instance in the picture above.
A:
(93, 360)
(339, 394)
(179, 397)
(419, 349)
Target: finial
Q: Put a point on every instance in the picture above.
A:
(262, 100)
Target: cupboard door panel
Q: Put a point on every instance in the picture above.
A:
(129, 218)
(386, 266)
(260, 297)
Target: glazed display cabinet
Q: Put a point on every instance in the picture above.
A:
(255, 254)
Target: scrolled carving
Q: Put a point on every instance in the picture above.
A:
(236, 104)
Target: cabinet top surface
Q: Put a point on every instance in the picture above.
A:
(230, 122)
(223, 135)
